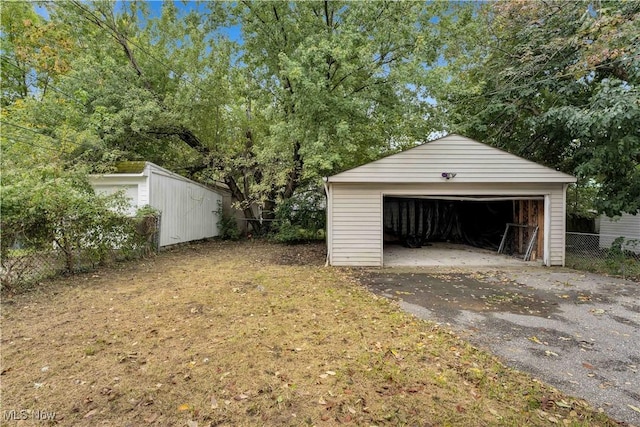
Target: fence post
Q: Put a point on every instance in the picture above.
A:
(157, 233)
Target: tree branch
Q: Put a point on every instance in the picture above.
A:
(184, 134)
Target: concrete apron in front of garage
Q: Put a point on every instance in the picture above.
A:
(579, 332)
(447, 255)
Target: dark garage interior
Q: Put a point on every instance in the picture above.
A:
(475, 221)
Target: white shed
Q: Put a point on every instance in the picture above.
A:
(625, 225)
(189, 210)
(480, 186)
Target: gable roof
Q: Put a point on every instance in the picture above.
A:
(471, 162)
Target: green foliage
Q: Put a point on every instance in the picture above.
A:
(581, 199)
(318, 87)
(52, 221)
(615, 254)
(555, 82)
(227, 226)
(301, 218)
(621, 260)
(337, 87)
(315, 87)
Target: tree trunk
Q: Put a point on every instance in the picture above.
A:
(239, 196)
(293, 178)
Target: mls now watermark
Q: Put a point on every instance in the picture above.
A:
(28, 414)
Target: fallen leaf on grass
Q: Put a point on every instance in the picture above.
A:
(184, 407)
(321, 401)
(191, 423)
(588, 365)
(550, 353)
(91, 413)
(241, 396)
(214, 403)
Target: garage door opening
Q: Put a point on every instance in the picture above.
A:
(430, 227)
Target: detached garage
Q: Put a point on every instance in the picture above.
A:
(454, 190)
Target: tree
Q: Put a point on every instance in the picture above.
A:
(316, 87)
(329, 85)
(557, 83)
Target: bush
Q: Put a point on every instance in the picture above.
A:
(620, 260)
(51, 214)
(227, 226)
(301, 218)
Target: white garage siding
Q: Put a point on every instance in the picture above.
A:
(356, 222)
(470, 160)
(355, 236)
(130, 192)
(356, 196)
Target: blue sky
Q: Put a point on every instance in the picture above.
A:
(233, 32)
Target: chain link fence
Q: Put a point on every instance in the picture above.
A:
(27, 263)
(602, 253)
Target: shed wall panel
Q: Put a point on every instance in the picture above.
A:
(135, 188)
(189, 210)
(626, 225)
(557, 225)
(130, 192)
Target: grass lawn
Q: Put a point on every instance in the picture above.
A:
(245, 334)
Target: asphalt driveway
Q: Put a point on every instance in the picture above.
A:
(576, 331)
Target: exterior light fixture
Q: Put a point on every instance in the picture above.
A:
(448, 175)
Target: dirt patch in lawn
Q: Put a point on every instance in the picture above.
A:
(249, 334)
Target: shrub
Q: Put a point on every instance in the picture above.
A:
(301, 218)
(227, 226)
(49, 213)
